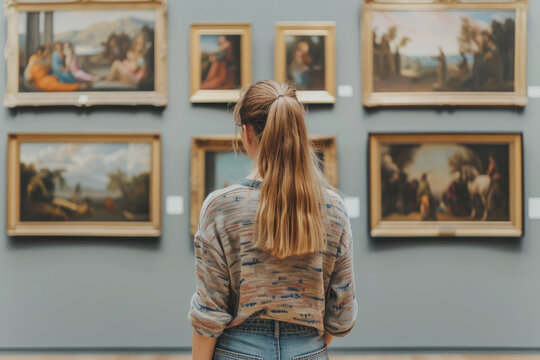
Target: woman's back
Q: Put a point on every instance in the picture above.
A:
(276, 254)
(237, 280)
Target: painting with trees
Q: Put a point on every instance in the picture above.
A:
(458, 53)
(466, 51)
(442, 180)
(85, 181)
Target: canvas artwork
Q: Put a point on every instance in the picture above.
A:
(86, 50)
(470, 49)
(305, 61)
(89, 51)
(305, 57)
(83, 181)
(220, 61)
(442, 180)
(214, 165)
(224, 169)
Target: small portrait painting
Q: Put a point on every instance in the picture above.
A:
(305, 62)
(220, 61)
(305, 56)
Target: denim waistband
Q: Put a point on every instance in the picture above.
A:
(274, 327)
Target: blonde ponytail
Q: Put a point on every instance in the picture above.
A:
(289, 218)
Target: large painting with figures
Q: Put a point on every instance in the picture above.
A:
(215, 165)
(446, 185)
(84, 184)
(451, 53)
(92, 53)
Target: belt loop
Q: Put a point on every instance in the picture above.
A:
(276, 328)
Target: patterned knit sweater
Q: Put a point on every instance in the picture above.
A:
(236, 280)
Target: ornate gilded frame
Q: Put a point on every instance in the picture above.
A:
(386, 228)
(198, 95)
(224, 143)
(308, 28)
(13, 97)
(16, 227)
(518, 97)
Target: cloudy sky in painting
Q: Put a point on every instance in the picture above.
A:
(430, 29)
(230, 168)
(80, 20)
(433, 160)
(88, 163)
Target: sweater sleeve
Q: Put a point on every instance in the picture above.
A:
(341, 306)
(209, 313)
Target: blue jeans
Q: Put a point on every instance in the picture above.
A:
(261, 339)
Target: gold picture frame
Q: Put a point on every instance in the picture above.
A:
(326, 85)
(452, 84)
(129, 224)
(200, 145)
(445, 207)
(242, 60)
(148, 89)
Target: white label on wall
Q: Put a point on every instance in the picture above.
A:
(175, 205)
(534, 208)
(352, 204)
(345, 91)
(534, 91)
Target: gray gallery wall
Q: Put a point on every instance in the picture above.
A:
(96, 293)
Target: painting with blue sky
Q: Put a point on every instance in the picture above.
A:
(85, 181)
(445, 182)
(106, 50)
(448, 50)
(220, 62)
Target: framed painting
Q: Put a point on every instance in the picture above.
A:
(85, 53)
(84, 185)
(467, 185)
(469, 53)
(214, 165)
(305, 56)
(220, 61)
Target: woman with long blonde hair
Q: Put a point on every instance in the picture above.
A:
(273, 253)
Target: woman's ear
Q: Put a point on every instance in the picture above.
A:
(249, 133)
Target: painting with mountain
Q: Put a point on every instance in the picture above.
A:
(108, 50)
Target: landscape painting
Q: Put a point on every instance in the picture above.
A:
(109, 50)
(454, 53)
(464, 50)
(438, 181)
(305, 57)
(220, 61)
(84, 181)
(305, 61)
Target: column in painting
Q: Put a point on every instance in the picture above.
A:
(32, 34)
(48, 33)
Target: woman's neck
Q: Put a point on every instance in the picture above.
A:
(254, 174)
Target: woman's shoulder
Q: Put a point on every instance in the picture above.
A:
(220, 198)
